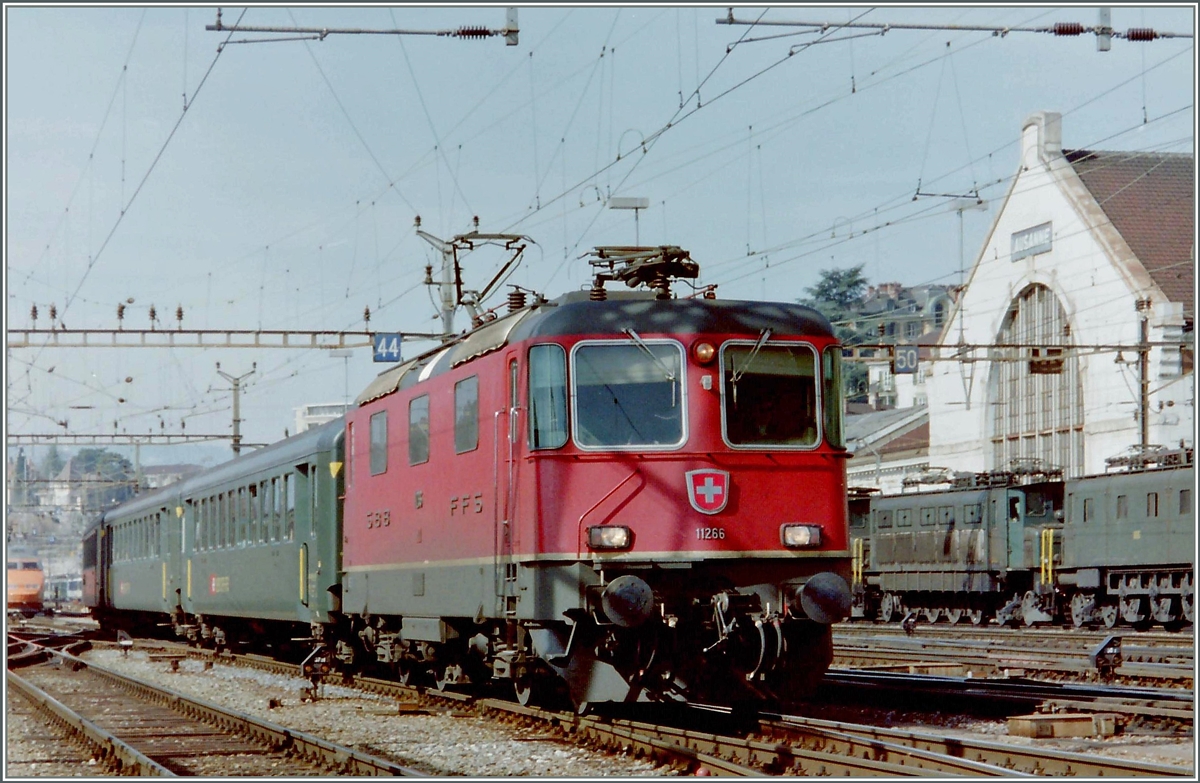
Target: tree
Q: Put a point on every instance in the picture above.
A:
(840, 287)
(836, 295)
(53, 462)
(110, 467)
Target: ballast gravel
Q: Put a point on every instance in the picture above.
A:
(445, 742)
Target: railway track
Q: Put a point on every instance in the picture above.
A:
(777, 744)
(137, 728)
(1171, 706)
(1064, 655)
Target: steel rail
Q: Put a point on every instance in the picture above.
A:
(108, 747)
(850, 756)
(347, 760)
(1021, 758)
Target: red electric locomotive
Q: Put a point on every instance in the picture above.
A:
(626, 496)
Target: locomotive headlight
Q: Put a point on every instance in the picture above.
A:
(609, 537)
(703, 352)
(798, 536)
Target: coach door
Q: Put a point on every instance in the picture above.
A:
(171, 532)
(306, 530)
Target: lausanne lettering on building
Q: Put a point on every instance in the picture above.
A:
(1031, 241)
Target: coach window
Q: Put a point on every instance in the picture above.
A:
(1122, 507)
(628, 394)
(1185, 501)
(418, 430)
(277, 514)
(466, 415)
(255, 510)
(770, 394)
(1151, 504)
(378, 443)
(547, 397)
(243, 518)
(290, 529)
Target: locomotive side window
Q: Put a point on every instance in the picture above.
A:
(1151, 504)
(927, 516)
(547, 397)
(628, 394)
(1185, 501)
(883, 518)
(378, 443)
(974, 513)
(1089, 512)
(770, 395)
(904, 517)
(418, 430)
(1122, 507)
(831, 393)
(466, 415)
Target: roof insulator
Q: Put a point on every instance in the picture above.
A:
(1140, 34)
(1068, 28)
(473, 32)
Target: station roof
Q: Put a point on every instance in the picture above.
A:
(1150, 199)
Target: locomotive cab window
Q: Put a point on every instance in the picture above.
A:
(466, 415)
(770, 395)
(831, 393)
(418, 430)
(628, 394)
(547, 397)
(378, 443)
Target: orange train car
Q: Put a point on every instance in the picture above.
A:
(24, 585)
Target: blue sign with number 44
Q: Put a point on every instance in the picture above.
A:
(387, 347)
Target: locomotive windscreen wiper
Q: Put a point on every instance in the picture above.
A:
(667, 372)
(735, 374)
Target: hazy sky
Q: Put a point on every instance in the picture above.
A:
(284, 197)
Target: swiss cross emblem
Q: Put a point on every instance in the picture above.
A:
(708, 490)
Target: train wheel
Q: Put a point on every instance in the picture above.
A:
(975, 615)
(1080, 613)
(1109, 615)
(526, 691)
(932, 614)
(955, 616)
(406, 673)
(888, 608)
(450, 676)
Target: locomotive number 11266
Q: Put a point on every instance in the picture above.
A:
(710, 534)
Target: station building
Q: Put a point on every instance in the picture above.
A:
(1091, 254)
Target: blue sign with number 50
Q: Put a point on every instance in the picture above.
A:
(387, 347)
(905, 359)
